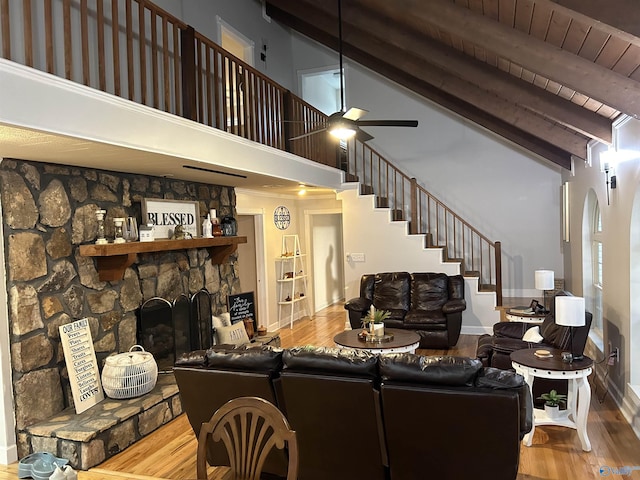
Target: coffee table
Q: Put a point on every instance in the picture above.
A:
(404, 341)
(530, 366)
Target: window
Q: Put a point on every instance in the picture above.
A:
(596, 277)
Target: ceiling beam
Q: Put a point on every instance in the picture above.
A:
(483, 76)
(577, 73)
(510, 120)
(624, 15)
(322, 23)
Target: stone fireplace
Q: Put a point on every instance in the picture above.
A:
(48, 211)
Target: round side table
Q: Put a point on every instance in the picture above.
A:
(530, 366)
(525, 318)
(404, 341)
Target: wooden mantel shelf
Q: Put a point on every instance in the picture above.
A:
(113, 258)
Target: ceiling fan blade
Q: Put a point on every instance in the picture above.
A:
(354, 113)
(363, 136)
(388, 123)
(308, 134)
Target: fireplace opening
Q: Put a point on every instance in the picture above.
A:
(168, 329)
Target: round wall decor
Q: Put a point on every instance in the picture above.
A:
(281, 217)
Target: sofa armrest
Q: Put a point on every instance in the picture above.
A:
(454, 306)
(358, 304)
(511, 329)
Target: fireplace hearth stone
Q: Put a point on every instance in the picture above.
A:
(107, 428)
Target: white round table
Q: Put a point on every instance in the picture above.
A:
(578, 397)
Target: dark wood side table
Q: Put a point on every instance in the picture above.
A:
(404, 341)
(530, 366)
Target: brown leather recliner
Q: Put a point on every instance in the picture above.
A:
(495, 350)
(431, 304)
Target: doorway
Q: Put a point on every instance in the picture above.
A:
(251, 261)
(321, 88)
(324, 231)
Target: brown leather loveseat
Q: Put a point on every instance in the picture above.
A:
(431, 304)
(360, 415)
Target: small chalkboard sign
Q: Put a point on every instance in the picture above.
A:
(242, 306)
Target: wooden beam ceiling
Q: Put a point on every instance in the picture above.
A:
(535, 55)
(545, 74)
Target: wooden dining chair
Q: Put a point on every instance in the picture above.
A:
(249, 427)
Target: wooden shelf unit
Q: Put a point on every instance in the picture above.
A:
(113, 258)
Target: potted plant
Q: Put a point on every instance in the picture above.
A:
(375, 320)
(552, 402)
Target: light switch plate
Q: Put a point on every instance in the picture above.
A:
(357, 257)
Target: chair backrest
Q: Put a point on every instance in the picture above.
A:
(249, 428)
(208, 382)
(332, 402)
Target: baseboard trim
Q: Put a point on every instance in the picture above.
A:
(480, 330)
(8, 454)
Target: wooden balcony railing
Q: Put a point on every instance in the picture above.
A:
(136, 50)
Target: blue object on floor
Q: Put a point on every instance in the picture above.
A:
(38, 464)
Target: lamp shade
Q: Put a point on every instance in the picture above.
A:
(570, 311)
(544, 279)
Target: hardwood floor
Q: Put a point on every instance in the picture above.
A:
(170, 452)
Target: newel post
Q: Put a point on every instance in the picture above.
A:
(413, 225)
(498, 247)
(188, 64)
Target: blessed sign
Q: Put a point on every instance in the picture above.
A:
(166, 214)
(81, 364)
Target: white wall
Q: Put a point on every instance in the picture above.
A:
(620, 325)
(246, 17)
(508, 194)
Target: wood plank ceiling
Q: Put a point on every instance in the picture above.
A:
(546, 75)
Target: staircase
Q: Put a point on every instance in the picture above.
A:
(377, 231)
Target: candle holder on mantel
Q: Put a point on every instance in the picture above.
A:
(119, 236)
(101, 240)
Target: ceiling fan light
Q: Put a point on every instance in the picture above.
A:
(342, 132)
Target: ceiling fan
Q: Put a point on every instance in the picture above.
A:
(346, 124)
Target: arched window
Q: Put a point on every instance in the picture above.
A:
(592, 286)
(596, 277)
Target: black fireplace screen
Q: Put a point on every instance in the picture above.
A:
(168, 329)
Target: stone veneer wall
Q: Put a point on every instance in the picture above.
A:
(48, 211)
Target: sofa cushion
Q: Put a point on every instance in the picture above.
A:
(429, 291)
(340, 361)
(262, 359)
(433, 318)
(392, 292)
(435, 370)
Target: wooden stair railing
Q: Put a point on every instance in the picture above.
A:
(427, 215)
(153, 58)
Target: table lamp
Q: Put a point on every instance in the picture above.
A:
(570, 313)
(544, 282)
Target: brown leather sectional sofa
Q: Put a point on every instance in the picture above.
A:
(431, 304)
(363, 416)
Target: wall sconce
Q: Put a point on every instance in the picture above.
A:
(607, 166)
